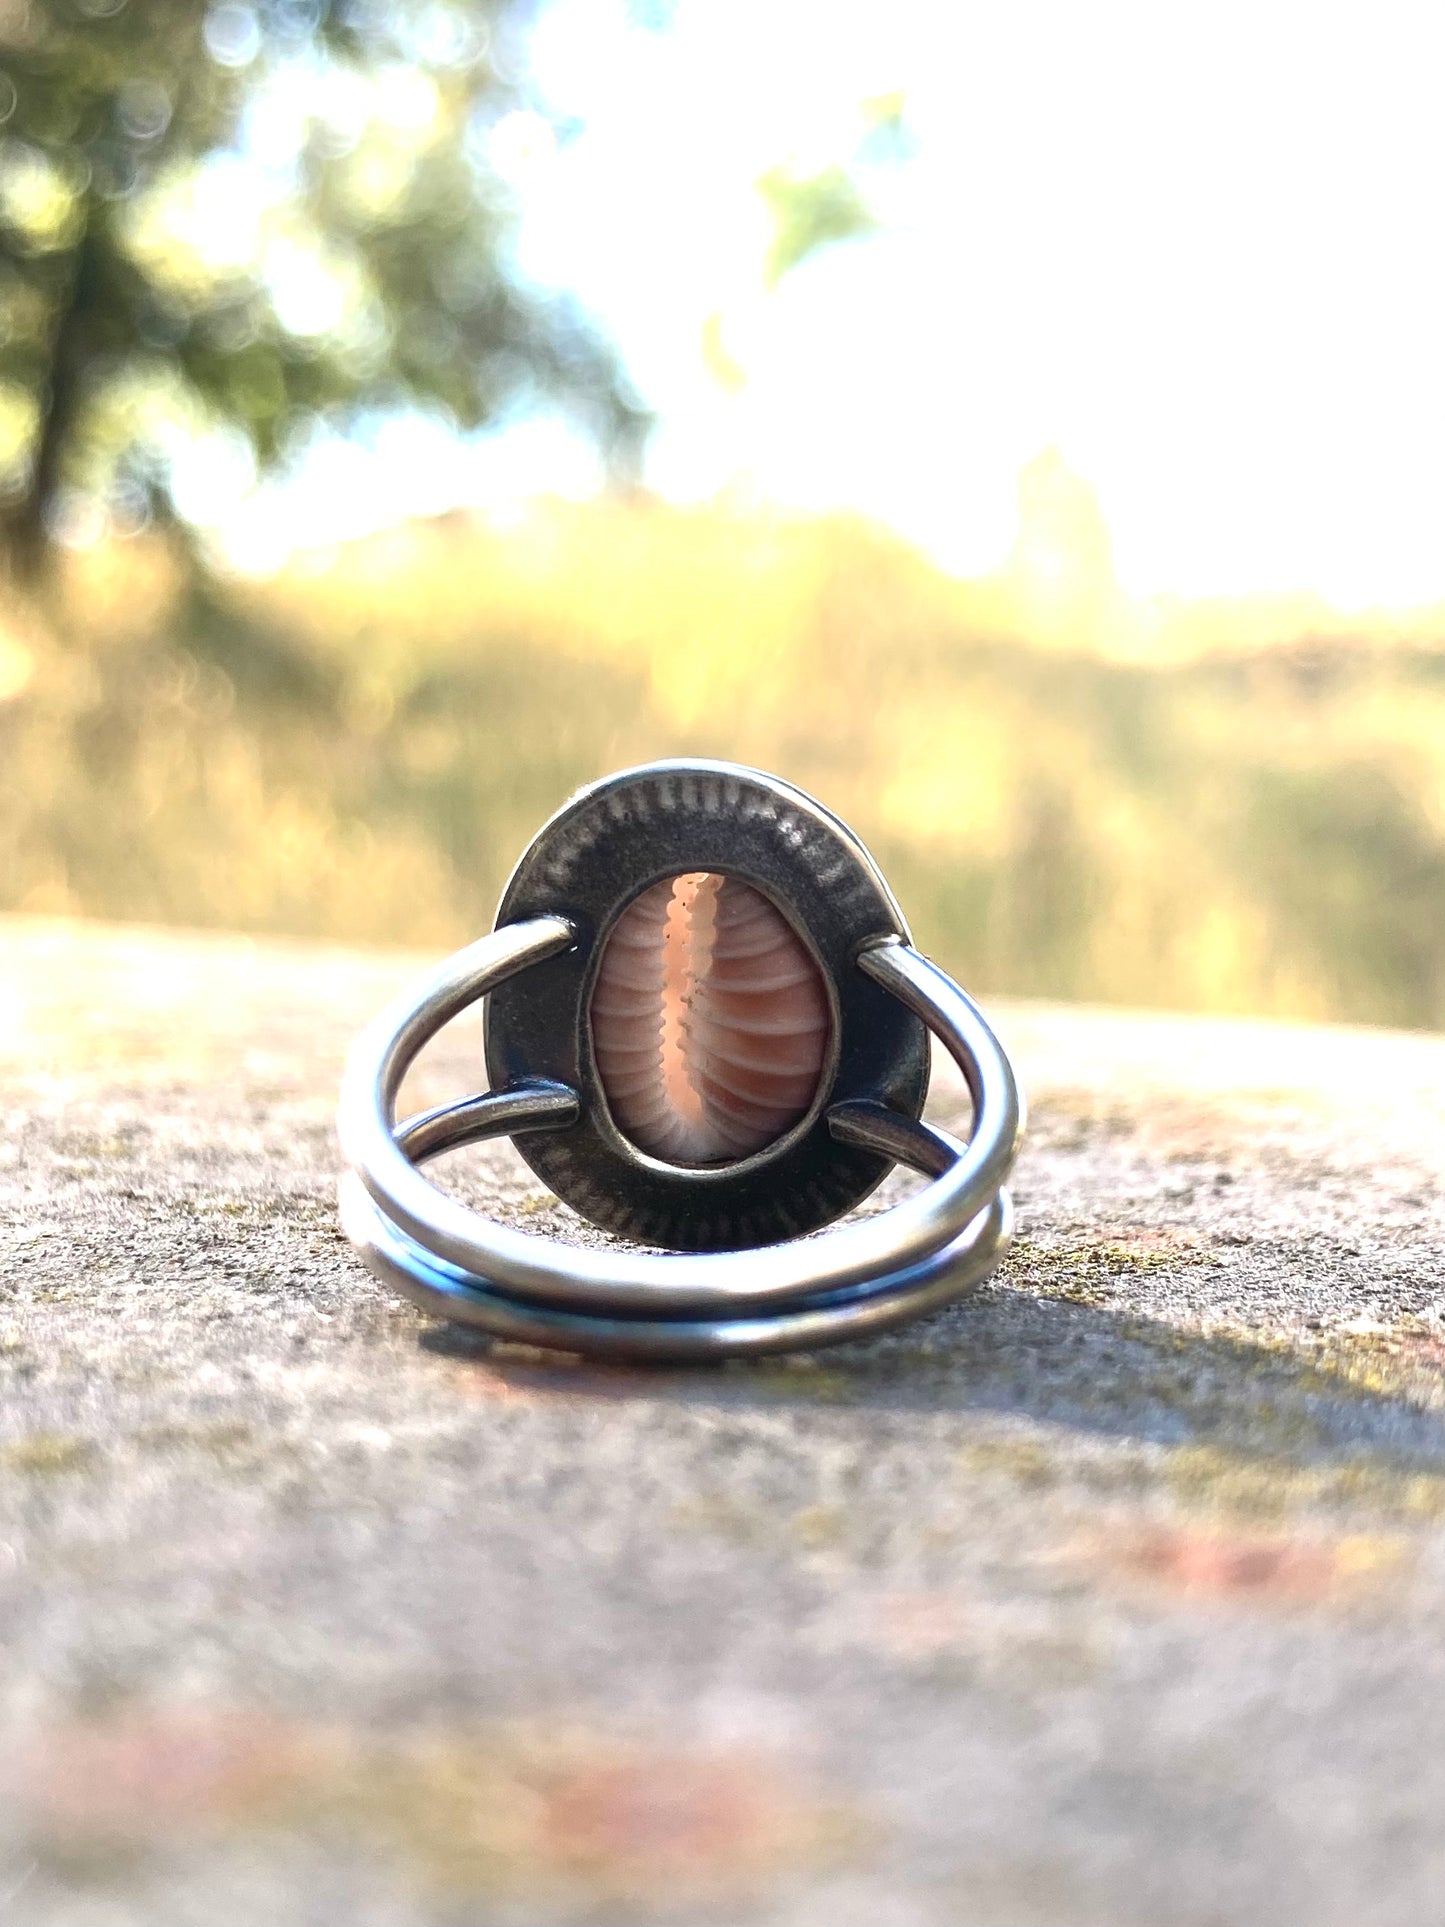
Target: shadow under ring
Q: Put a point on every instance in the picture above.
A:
(853, 1280)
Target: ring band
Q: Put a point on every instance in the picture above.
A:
(855, 1279)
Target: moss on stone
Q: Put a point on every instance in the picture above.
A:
(45, 1454)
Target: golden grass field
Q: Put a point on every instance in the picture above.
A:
(1227, 806)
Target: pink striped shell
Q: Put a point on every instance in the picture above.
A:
(710, 1023)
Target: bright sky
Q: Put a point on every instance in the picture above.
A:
(1200, 249)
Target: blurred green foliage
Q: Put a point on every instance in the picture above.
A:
(360, 750)
(224, 227)
(236, 221)
(811, 212)
(813, 208)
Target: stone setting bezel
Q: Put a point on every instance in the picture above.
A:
(595, 857)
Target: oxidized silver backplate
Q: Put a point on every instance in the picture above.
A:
(595, 858)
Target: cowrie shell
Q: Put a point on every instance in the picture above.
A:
(710, 1023)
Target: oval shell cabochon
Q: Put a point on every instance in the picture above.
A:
(711, 1026)
(686, 825)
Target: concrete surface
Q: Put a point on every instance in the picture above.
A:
(1112, 1596)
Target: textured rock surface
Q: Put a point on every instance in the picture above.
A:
(1114, 1596)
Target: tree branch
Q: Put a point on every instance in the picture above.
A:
(28, 535)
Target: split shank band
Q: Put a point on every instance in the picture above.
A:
(851, 1281)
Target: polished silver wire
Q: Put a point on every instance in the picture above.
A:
(855, 1279)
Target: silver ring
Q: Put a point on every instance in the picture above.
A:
(731, 917)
